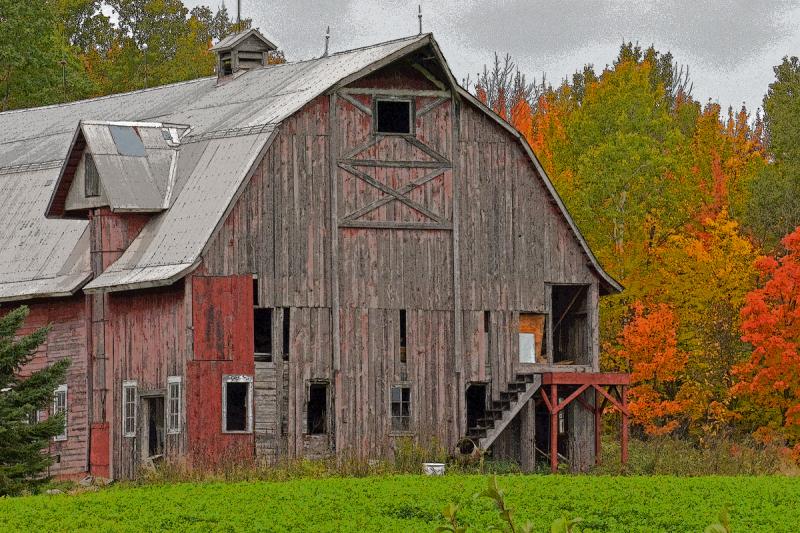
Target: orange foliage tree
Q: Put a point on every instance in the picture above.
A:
(648, 346)
(770, 379)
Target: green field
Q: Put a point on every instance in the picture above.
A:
(413, 503)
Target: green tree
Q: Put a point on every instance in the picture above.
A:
(22, 437)
(774, 209)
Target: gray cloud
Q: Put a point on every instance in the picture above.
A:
(730, 46)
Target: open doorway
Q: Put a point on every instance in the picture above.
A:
(153, 411)
(476, 404)
(570, 324)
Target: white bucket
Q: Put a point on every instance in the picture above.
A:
(433, 469)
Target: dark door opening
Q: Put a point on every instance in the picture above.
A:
(476, 404)
(317, 409)
(155, 425)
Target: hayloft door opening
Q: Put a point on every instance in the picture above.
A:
(154, 426)
(570, 324)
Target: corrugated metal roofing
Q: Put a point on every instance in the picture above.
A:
(231, 123)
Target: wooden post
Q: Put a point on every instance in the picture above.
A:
(553, 428)
(598, 414)
(624, 425)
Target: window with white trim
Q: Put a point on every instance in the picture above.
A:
(60, 407)
(401, 407)
(129, 408)
(237, 402)
(174, 404)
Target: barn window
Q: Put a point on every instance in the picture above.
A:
(286, 331)
(262, 334)
(129, 408)
(91, 177)
(393, 116)
(174, 404)
(237, 399)
(317, 411)
(403, 339)
(256, 299)
(401, 408)
(60, 407)
(531, 337)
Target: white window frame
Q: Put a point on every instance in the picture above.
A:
(237, 378)
(57, 408)
(126, 385)
(173, 383)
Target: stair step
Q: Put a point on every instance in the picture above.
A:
(527, 378)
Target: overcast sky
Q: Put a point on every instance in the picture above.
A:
(730, 47)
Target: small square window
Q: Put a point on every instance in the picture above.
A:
(237, 399)
(393, 116)
(401, 408)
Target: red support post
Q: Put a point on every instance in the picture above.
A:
(624, 425)
(598, 413)
(553, 429)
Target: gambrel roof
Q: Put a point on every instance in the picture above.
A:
(230, 127)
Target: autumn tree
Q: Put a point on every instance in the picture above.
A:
(648, 349)
(770, 378)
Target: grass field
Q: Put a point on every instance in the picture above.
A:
(413, 503)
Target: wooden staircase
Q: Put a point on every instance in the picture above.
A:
(503, 411)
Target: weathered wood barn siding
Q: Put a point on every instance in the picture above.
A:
(66, 339)
(146, 340)
(279, 231)
(223, 345)
(486, 226)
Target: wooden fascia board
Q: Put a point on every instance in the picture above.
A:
(49, 213)
(609, 281)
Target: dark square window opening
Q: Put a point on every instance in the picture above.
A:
(317, 409)
(236, 394)
(401, 408)
(393, 116)
(262, 334)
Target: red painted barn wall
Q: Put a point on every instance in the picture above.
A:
(222, 310)
(67, 339)
(146, 339)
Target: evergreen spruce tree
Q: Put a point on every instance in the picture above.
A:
(24, 439)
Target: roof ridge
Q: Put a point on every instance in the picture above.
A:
(105, 96)
(197, 80)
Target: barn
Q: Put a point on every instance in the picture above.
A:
(318, 258)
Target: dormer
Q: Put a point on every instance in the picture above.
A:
(242, 51)
(124, 166)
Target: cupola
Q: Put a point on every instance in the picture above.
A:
(242, 51)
